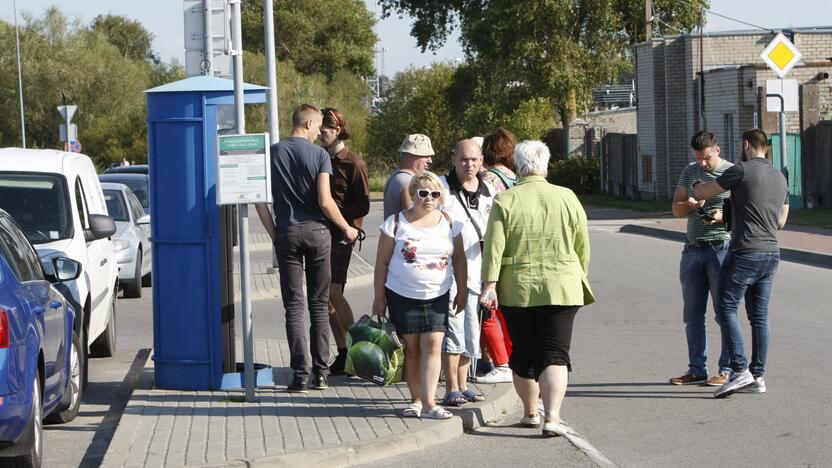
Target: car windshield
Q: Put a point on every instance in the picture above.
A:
(137, 184)
(39, 204)
(115, 205)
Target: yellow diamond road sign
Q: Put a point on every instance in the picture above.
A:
(781, 55)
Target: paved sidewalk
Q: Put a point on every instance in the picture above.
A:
(351, 422)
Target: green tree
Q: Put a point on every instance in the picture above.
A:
(66, 59)
(556, 50)
(128, 36)
(416, 102)
(317, 36)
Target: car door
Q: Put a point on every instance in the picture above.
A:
(96, 266)
(142, 231)
(48, 310)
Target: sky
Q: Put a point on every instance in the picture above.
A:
(164, 18)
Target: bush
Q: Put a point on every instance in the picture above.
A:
(581, 175)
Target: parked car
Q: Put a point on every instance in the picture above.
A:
(40, 351)
(131, 242)
(57, 200)
(139, 183)
(131, 169)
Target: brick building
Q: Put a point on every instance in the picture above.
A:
(722, 89)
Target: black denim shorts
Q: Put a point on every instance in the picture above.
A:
(417, 315)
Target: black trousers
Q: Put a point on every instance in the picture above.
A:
(300, 245)
(540, 337)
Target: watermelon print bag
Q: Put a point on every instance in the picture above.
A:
(375, 352)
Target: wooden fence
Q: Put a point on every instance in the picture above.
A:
(619, 165)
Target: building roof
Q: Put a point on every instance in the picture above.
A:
(203, 83)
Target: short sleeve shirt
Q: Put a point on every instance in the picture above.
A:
(698, 231)
(397, 181)
(421, 266)
(296, 165)
(758, 193)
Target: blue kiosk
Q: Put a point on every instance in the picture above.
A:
(193, 291)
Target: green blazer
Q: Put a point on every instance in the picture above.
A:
(537, 246)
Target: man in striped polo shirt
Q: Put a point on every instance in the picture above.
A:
(702, 257)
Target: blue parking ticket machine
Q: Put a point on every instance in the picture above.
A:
(191, 250)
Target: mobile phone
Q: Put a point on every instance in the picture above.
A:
(705, 215)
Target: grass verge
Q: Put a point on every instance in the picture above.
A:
(817, 217)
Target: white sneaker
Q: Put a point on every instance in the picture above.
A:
(758, 386)
(736, 381)
(499, 374)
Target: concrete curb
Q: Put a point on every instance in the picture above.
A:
(465, 419)
(790, 255)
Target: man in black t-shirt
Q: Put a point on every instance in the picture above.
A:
(759, 207)
(303, 203)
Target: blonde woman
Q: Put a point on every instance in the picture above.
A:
(420, 254)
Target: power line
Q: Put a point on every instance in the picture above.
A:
(724, 16)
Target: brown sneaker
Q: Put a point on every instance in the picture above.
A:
(718, 380)
(688, 379)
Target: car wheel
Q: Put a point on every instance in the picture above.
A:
(147, 280)
(105, 345)
(133, 288)
(33, 437)
(70, 403)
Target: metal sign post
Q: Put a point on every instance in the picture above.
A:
(781, 56)
(240, 119)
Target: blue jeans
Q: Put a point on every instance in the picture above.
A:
(699, 272)
(750, 276)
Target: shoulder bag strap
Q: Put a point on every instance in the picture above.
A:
(465, 207)
(508, 182)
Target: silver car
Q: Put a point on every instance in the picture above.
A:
(131, 242)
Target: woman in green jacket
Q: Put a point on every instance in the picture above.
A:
(535, 261)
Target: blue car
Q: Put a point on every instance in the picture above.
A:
(40, 369)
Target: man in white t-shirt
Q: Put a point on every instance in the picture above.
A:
(469, 202)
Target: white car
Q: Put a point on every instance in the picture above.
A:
(57, 200)
(131, 242)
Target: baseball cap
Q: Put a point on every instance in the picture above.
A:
(417, 145)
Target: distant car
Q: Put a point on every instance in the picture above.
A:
(139, 183)
(131, 169)
(40, 352)
(131, 242)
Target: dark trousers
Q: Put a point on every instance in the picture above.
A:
(298, 245)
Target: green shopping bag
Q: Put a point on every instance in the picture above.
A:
(375, 352)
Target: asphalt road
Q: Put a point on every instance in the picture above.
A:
(625, 347)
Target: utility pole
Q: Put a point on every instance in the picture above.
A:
(208, 56)
(648, 20)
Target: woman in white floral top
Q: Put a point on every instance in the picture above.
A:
(420, 253)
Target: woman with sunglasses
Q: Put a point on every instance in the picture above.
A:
(420, 254)
(350, 190)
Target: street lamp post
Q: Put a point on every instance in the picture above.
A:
(19, 76)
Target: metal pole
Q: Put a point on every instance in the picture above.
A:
(208, 55)
(20, 77)
(271, 80)
(239, 113)
(648, 20)
(783, 156)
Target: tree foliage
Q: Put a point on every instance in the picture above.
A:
(556, 50)
(317, 36)
(128, 36)
(65, 62)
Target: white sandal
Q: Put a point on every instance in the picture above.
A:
(437, 412)
(413, 410)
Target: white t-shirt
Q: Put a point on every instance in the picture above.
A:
(470, 239)
(421, 266)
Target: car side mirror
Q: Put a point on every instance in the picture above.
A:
(66, 269)
(143, 220)
(101, 226)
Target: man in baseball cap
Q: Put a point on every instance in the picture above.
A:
(414, 156)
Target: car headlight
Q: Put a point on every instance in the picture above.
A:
(120, 244)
